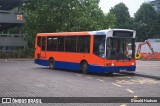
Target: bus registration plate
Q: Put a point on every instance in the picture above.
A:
(123, 70)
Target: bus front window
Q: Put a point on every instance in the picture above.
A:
(99, 45)
(120, 48)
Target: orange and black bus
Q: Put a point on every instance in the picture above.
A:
(104, 51)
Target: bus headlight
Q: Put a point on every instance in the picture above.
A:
(133, 64)
(112, 64)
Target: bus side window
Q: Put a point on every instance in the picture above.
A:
(70, 43)
(43, 43)
(83, 44)
(49, 43)
(80, 44)
(52, 43)
(39, 41)
(99, 45)
(61, 43)
(87, 44)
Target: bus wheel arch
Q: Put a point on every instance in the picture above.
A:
(51, 63)
(84, 66)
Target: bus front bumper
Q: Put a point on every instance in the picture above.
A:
(112, 69)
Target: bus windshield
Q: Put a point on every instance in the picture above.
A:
(120, 48)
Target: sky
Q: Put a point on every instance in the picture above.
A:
(133, 5)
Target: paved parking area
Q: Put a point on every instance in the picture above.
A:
(149, 69)
(26, 79)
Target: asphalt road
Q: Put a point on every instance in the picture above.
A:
(149, 68)
(26, 79)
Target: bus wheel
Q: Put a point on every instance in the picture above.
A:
(109, 73)
(51, 63)
(131, 74)
(84, 67)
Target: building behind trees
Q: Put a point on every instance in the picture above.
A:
(11, 22)
(156, 5)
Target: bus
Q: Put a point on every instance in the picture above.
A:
(103, 51)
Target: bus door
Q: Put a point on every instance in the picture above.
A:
(43, 48)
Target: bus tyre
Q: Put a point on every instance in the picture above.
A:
(109, 73)
(51, 63)
(131, 74)
(84, 67)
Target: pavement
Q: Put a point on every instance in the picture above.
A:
(149, 69)
(25, 79)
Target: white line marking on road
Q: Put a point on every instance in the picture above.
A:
(141, 81)
(78, 75)
(129, 90)
(89, 77)
(123, 105)
(100, 80)
(116, 85)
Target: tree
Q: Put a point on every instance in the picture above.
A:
(146, 22)
(62, 15)
(110, 20)
(158, 27)
(121, 13)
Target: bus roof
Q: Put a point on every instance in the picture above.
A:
(103, 32)
(99, 32)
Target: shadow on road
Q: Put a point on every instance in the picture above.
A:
(93, 74)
